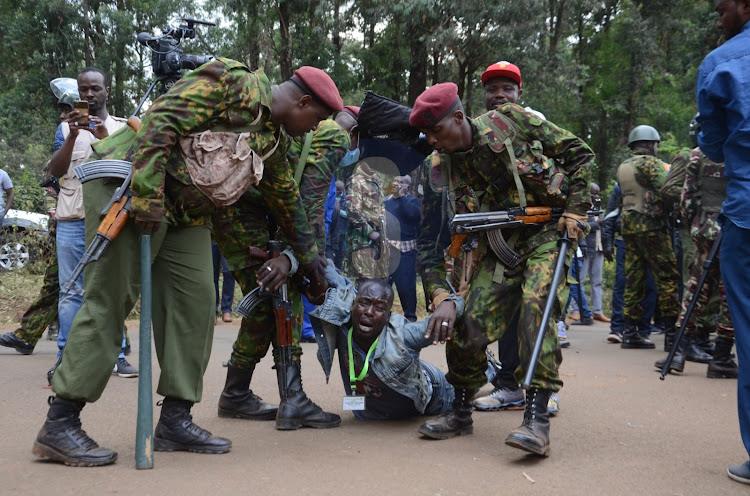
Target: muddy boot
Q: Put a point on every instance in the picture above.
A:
(533, 434)
(455, 422)
(678, 361)
(631, 338)
(722, 366)
(62, 440)
(238, 400)
(296, 409)
(177, 432)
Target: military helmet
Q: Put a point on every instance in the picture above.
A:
(694, 129)
(643, 133)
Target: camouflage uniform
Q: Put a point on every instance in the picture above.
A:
(244, 224)
(366, 213)
(553, 166)
(43, 310)
(221, 94)
(671, 194)
(646, 236)
(702, 195)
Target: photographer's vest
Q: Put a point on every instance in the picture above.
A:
(70, 198)
(633, 194)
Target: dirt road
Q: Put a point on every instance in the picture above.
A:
(620, 431)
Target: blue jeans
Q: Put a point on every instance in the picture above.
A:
(583, 305)
(618, 294)
(735, 246)
(405, 279)
(71, 244)
(227, 287)
(443, 392)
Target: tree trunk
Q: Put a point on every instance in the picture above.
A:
(285, 52)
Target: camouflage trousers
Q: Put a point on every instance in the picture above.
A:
(705, 320)
(712, 298)
(258, 331)
(490, 308)
(43, 310)
(363, 266)
(652, 250)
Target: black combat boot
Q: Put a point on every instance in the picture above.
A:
(62, 440)
(533, 434)
(693, 353)
(722, 366)
(238, 400)
(631, 338)
(177, 432)
(455, 422)
(670, 331)
(678, 361)
(704, 342)
(10, 340)
(296, 409)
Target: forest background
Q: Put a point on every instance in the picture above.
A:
(595, 67)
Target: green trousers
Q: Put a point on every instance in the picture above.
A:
(706, 320)
(183, 307)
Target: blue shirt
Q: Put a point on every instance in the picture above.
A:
(723, 94)
(59, 138)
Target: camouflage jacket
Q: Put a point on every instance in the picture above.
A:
(650, 174)
(672, 188)
(704, 190)
(329, 145)
(365, 207)
(221, 94)
(245, 223)
(553, 166)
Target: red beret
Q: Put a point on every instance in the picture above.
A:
(502, 69)
(351, 109)
(319, 85)
(433, 105)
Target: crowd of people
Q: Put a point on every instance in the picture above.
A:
(225, 162)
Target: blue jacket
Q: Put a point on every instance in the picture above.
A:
(723, 94)
(395, 360)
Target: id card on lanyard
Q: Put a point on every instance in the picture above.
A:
(355, 402)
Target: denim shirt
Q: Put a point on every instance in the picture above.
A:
(723, 94)
(395, 360)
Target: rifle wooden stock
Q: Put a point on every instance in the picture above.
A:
(116, 218)
(457, 240)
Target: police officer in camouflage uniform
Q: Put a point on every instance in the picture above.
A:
(505, 158)
(698, 346)
(704, 190)
(244, 224)
(174, 203)
(646, 236)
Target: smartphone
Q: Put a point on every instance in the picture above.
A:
(82, 106)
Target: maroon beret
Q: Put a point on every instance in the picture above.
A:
(319, 85)
(351, 109)
(433, 105)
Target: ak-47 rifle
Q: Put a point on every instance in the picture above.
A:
(114, 216)
(282, 307)
(465, 225)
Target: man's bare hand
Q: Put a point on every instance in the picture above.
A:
(440, 325)
(274, 272)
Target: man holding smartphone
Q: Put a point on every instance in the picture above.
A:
(88, 122)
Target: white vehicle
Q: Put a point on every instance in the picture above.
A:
(21, 238)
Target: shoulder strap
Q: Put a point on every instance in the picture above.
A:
(303, 157)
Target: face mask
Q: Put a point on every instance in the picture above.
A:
(351, 157)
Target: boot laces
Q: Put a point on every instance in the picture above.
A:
(187, 423)
(80, 437)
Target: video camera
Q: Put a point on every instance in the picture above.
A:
(167, 59)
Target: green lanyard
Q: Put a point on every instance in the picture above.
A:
(353, 379)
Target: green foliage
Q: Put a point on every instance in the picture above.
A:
(595, 67)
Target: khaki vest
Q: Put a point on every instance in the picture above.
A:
(70, 199)
(632, 192)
